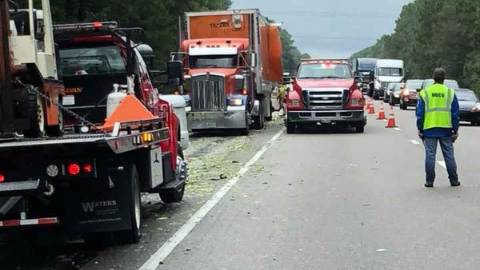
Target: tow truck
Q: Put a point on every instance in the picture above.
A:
(325, 93)
(88, 180)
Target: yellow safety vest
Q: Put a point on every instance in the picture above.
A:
(438, 100)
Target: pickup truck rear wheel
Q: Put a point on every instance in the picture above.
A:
(133, 235)
(176, 194)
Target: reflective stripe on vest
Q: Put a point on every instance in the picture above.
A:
(438, 106)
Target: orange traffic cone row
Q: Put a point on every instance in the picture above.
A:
(381, 114)
(391, 119)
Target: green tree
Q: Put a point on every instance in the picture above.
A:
(433, 33)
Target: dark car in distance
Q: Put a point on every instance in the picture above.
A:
(469, 106)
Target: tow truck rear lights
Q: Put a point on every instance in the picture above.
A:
(73, 169)
(2, 178)
(97, 25)
(87, 168)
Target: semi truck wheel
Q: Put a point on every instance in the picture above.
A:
(269, 117)
(259, 120)
(133, 235)
(246, 130)
(34, 112)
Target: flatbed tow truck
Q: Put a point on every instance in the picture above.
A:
(88, 180)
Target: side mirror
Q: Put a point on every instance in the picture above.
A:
(175, 73)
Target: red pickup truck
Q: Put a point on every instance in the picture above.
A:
(325, 93)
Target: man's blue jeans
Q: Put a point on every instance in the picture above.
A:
(446, 143)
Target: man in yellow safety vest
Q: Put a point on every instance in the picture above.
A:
(438, 122)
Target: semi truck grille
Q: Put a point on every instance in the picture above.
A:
(208, 93)
(328, 99)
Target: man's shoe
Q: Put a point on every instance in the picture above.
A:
(429, 185)
(455, 184)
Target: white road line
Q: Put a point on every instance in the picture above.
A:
(415, 142)
(162, 253)
(398, 129)
(442, 163)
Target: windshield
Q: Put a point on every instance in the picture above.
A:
(319, 71)
(414, 84)
(366, 66)
(91, 61)
(395, 72)
(466, 96)
(213, 61)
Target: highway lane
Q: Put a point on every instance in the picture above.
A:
(343, 201)
(212, 158)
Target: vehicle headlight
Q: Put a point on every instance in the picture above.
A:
(476, 108)
(396, 94)
(235, 101)
(294, 102)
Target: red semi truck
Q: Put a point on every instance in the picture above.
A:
(325, 93)
(232, 64)
(120, 140)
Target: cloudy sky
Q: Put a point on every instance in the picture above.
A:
(331, 28)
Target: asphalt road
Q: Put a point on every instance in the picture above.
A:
(343, 201)
(314, 200)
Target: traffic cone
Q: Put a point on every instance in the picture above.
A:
(391, 119)
(381, 114)
(371, 110)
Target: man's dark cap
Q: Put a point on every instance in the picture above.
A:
(439, 75)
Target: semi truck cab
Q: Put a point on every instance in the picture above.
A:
(217, 83)
(387, 71)
(325, 93)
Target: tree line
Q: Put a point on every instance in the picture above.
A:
(159, 18)
(435, 33)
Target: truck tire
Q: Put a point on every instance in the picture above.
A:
(269, 117)
(360, 129)
(403, 106)
(133, 235)
(259, 120)
(246, 130)
(34, 112)
(290, 128)
(174, 195)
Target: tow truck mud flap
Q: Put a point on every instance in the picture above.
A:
(101, 207)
